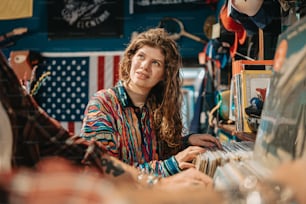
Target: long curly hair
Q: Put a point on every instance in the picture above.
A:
(165, 99)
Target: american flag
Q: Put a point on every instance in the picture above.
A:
(73, 79)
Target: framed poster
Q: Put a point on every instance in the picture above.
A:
(251, 80)
(69, 19)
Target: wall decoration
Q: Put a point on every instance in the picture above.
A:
(84, 18)
(74, 78)
(142, 6)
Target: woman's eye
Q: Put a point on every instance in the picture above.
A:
(156, 63)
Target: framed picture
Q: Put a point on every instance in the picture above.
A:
(85, 19)
(251, 81)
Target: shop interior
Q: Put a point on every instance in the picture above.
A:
(243, 76)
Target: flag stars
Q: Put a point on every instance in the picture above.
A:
(65, 94)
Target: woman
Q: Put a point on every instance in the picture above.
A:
(30, 138)
(139, 120)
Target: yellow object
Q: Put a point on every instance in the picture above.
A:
(15, 9)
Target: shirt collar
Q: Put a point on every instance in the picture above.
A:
(122, 95)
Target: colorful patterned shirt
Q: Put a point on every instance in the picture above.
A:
(125, 130)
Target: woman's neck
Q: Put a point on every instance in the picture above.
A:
(137, 95)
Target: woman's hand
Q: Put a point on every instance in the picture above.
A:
(185, 157)
(204, 140)
(188, 178)
(189, 186)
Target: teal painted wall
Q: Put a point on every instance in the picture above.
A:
(37, 39)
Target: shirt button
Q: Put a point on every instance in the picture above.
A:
(137, 110)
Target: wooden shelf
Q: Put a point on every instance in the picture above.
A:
(231, 129)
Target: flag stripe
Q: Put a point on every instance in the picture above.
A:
(108, 74)
(71, 127)
(93, 76)
(116, 68)
(101, 70)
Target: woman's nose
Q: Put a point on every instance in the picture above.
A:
(145, 64)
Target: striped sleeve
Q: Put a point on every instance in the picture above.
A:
(98, 125)
(164, 168)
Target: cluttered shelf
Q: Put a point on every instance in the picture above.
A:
(231, 130)
(246, 98)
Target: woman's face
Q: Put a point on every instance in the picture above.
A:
(147, 67)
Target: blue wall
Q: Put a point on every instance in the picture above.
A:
(37, 39)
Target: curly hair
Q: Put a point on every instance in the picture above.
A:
(165, 99)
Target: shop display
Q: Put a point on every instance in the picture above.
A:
(281, 134)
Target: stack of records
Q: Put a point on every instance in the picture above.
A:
(208, 161)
